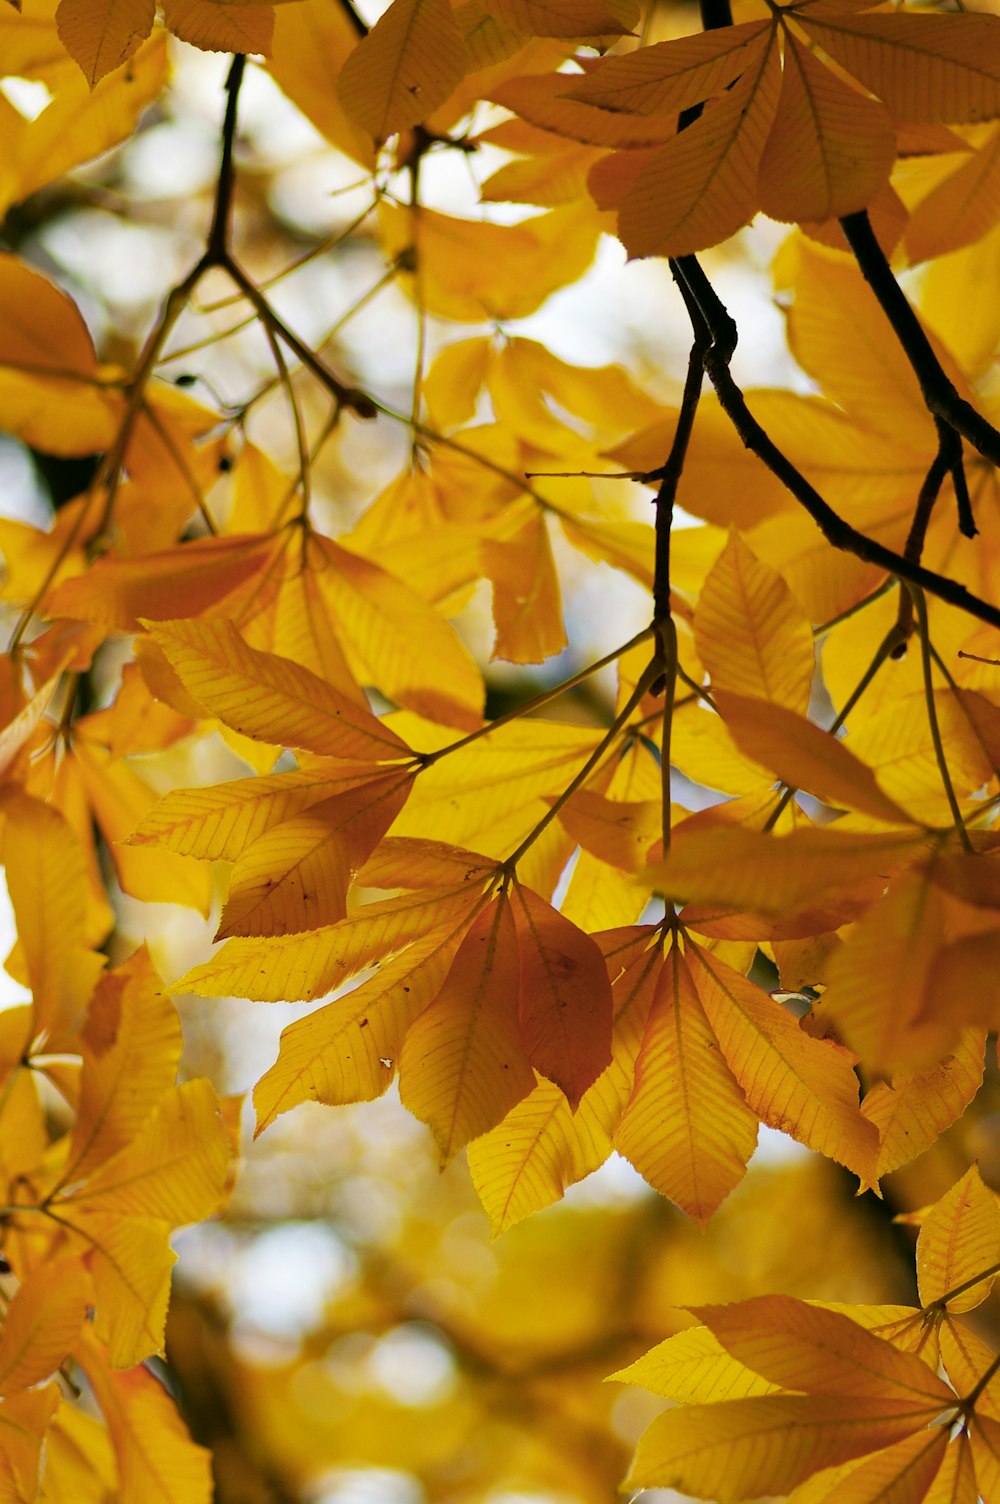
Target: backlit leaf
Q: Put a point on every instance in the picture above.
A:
(405, 67)
(262, 695)
(565, 997)
(804, 1086)
(959, 1238)
(751, 634)
(43, 1322)
(686, 1127)
(103, 35)
(463, 1065)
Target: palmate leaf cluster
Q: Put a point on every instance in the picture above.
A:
(514, 915)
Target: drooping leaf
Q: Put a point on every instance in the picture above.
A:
(565, 997)
(463, 1065)
(260, 694)
(804, 1086)
(686, 1128)
(406, 66)
(104, 35)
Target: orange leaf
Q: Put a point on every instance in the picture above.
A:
(686, 1128)
(101, 36)
(804, 1086)
(43, 1322)
(406, 66)
(702, 187)
(463, 1065)
(805, 757)
(566, 1005)
(830, 149)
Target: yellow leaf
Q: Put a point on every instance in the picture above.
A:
(265, 696)
(131, 1046)
(527, 608)
(79, 122)
(463, 1065)
(751, 634)
(103, 35)
(830, 149)
(130, 1260)
(408, 862)
(157, 1461)
(395, 641)
(406, 66)
(666, 77)
(119, 798)
(542, 99)
(802, 1346)
(79, 1462)
(541, 1147)
(924, 67)
(912, 1110)
(958, 212)
(478, 272)
(296, 876)
(310, 43)
(19, 731)
(835, 335)
(47, 356)
(804, 1086)
(287, 968)
(805, 757)
(565, 997)
(741, 1449)
(985, 1436)
(47, 881)
(966, 1359)
(219, 822)
(694, 1368)
(878, 981)
(347, 1051)
(217, 27)
(902, 1474)
(686, 1127)
(44, 1320)
(959, 1238)
(174, 1169)
(618, 831)
(701, 187)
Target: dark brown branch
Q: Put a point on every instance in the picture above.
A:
(936, 386)
(355, 20)
(721, 333)
(218, 236)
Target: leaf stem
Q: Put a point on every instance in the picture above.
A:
(427, 759)
(646, 679)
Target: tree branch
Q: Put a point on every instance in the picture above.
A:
(936, 386)
(723, 335)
